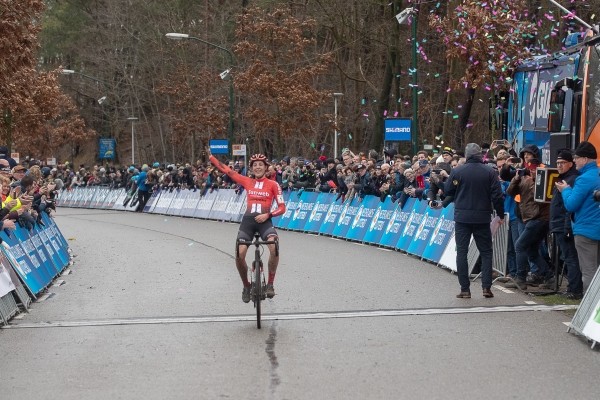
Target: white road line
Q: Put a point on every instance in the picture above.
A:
(530, 302)
(289, 317)
(503, 289)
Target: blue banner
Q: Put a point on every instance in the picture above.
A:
(424, 231)
(333, 213)
(442, 232)
(303, 210)
(219, 146)
(395, 225)
(380, 221)
(346, 217)
(319, 211)
(290, 208)
(362, 220)
(397, 129)
(106, 149)
(411, 226)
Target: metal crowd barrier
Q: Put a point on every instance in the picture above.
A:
(499, 246)
(586, 321)
(8, 308)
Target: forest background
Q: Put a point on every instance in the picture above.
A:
(261, 73)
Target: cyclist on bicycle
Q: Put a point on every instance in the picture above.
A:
(261, 192)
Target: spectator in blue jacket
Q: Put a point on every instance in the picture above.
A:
(579, 200)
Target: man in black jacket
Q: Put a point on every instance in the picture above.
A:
(560, 226)
(475, 187)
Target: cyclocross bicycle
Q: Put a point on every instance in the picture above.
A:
(256, 272)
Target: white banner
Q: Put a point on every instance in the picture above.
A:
(6, 284)
(592, 327)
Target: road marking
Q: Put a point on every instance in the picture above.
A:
(530, 302)
(503, 289)
(289, 317)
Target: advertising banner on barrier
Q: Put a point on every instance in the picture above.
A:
(43, 253)
(90, 193)
(205, 204)
(120, 199)
(441, 235)
(395, 225)
(52, 250)
(47, 272)
(219, 207)
(236, 207)
(362, 220)
(290, 208)
(306, 203)
(412, 224)
(77, 197)
(276, 220)
(190, 204)
(592, 327)
(99, 196)
(346, 217)
(57, 240)
(380, 220)
(333, 214)
(6, 284)
(424, 231)
(149, 207)
(318, 212)
(35, 279)
(176, 206)
(163, 202)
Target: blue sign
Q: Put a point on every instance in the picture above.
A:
(412, 224)
(397, 129)
(219, 146)
(106, 149)
(424, 231)
(331, 216)
(319, 211)
(362, 220)
(395, 225)
(303, 210)
(441, 235)
(380, 220)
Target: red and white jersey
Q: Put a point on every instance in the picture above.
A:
(261, 192)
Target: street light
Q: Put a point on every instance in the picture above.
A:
(403, 17)
(225, 74)
(335, 132)
(132, 119)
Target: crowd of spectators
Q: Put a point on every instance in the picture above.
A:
(386, 175)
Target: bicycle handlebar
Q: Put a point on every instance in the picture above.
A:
(256, 242)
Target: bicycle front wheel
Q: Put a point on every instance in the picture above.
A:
(257, 291)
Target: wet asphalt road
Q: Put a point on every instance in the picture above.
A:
(152, 310)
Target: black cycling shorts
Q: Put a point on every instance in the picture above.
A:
(249, 226)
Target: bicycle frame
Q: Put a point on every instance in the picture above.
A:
(258, 280)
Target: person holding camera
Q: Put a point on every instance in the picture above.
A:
(435, 193)
(579, 200)
(475, 189)
(535, 216)
(560, 225)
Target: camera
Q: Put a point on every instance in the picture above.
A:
(521, 171)
(434, 203)
(436, 170)
(597, 195)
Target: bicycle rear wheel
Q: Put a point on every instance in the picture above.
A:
(257, 291)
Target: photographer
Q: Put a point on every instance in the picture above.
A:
(560, 226)
(579, 200)
(435, 193)
(535, 216)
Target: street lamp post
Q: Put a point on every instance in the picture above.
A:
(132, 119)
(403, 17)
(335, 132)
(182, 36)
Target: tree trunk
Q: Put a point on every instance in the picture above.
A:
(463, 119)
